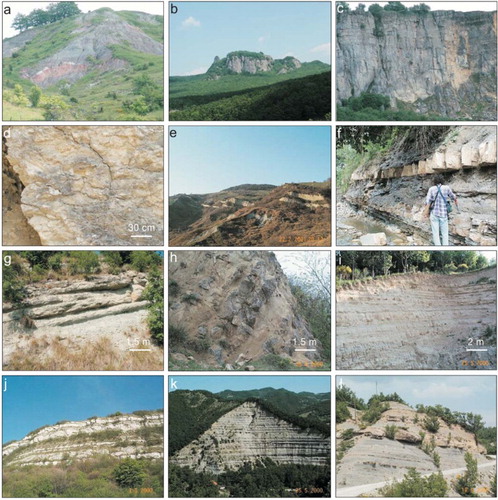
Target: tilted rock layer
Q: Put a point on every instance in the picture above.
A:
(396, 193)
(120, 436)
(417, 321)
(250, 433)
(85, 185)
(442, 61)
(241, 304)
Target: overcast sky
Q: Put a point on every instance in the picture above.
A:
(464, 393)
(27, 7)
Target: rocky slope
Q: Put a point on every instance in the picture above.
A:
(237, 304)
(89, 47)
(75, 314)
(250, 62)
(417, 321)
(289, 215)
(392, 189)
(81, 185)
(373, 458)
(138, 435)
(250, 433)
(440, 62)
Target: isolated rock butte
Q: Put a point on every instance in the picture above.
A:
(243, 302)
(396, 192)
(249, 433)
(78, 312)
(89, 41)
(84, 185)
(375, 458)
(417, 321)
(442, 61)
(54, 444)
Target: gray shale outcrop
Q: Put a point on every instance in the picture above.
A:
(250, 433)
(442, 61)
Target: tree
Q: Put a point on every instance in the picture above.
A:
(431, 423)
(34, 96)
(474, 424)
(345, 7)
(129, 473)
(375, 9)
(20, 22)
(154, 294)
(466, 483)
(395, 7)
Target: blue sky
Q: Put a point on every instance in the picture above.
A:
(215, 383)
(465, 393)
(209, 159)
(33, 401)
(202, 30)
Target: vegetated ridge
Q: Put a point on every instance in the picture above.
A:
(253, 86)
(439, 64)
(101, 65)
(296, 214)
(236, 310)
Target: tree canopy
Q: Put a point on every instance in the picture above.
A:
(38, 17)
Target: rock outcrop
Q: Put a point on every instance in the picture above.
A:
(84, 185)
(440, 62)
(418, 321)
(89, 47)
(394, 190)
(136, 435)
(239, 303)
(250, 433)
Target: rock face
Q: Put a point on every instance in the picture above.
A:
(78, 312)
(394, 191)
(417, 321)
(88, 49)
(442, 62)
(84, 185)
(374, 458)
(251, 63)
(131, 435)
(241, 304)
(249, 433)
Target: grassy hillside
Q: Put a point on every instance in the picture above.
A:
(263, 96)
(133, 91)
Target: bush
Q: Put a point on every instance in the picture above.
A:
(347, 434)
(191, 298)
(129, 473)
(142, 260)
(177, 335)
(84, 262)
(390, 431)
(414, 485)
(54, 262)
(465, 484)
(154, 294)
(431, 423)
(341, 412)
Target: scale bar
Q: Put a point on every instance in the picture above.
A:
(305, 350)
(141, 236)
(480, 350)
(148, 350)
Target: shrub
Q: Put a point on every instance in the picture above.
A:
(465, 484)
(431, 423)
(341, 412)
(143, 261)
(84, 262)
(414, 485)
(191, 298)
(176, 335)
(154, 294)
(390, 431)
(173, 288)
(437, 459)
(129, 473)
(347, 433)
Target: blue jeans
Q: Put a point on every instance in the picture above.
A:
(439, 225)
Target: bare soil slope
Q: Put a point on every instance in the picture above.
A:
(418, 321)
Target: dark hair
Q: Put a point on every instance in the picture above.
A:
(438, 179)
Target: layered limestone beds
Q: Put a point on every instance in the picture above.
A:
(80, 440)
(241, 303)
(441, 62)
(85, 185)
(89, 48)
(395, 193)
(78, 312)
(250, 433)
(375, 458)
(417, 321)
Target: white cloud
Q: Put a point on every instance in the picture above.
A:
(191, 22)
(263, 38)
(324, 47)
(197, 71)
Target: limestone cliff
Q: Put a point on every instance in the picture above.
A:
(83, 185)
(238, 306)
(393, 188)
(249, 433)
(440, 62)
(136, 435)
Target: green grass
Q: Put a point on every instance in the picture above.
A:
(11, 112)
(155, 31)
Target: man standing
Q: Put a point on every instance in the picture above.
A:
(437, 198)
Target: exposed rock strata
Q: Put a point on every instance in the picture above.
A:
(442, 61)
(79, 440)
(250, 433)
(84, 185)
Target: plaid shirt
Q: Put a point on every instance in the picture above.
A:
(439, 207)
